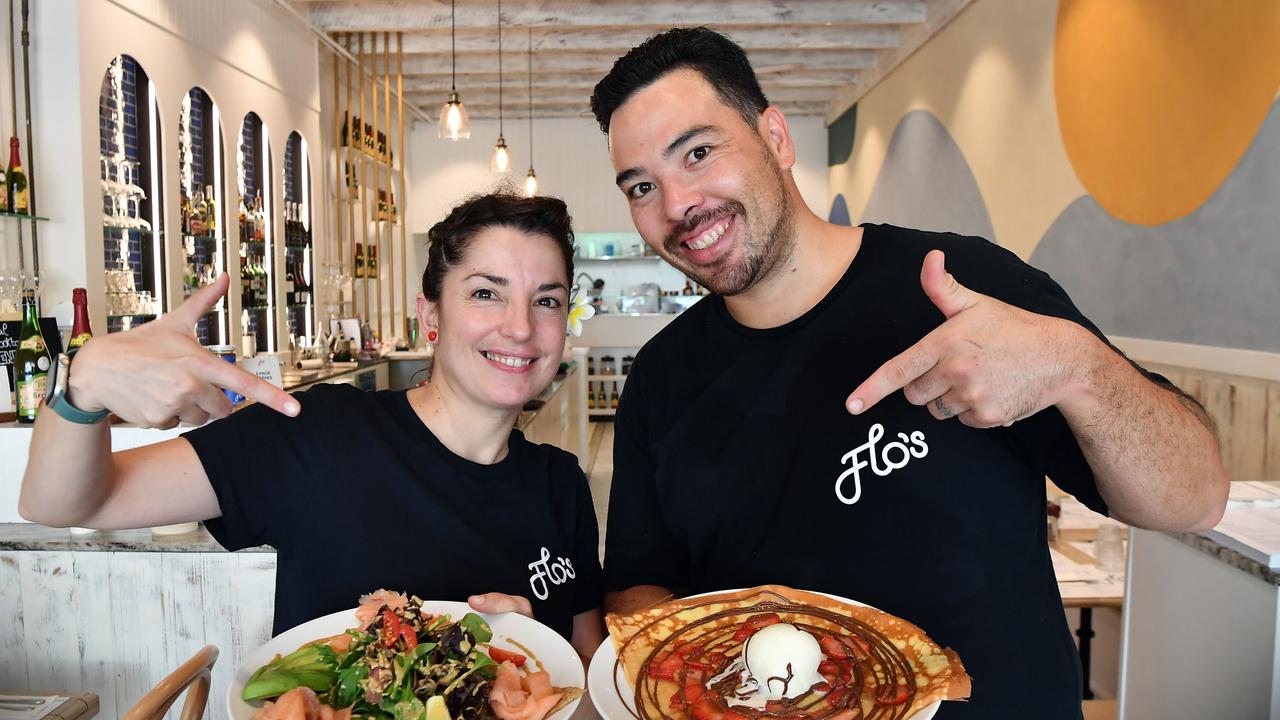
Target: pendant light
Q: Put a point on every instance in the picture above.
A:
(531, 180)
(454, 123)
(501, 162)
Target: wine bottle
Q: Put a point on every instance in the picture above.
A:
(31, 362)
(80, 332)
(211, 211)
(16, 180)
(259, 219)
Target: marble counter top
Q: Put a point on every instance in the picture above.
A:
(1249, 532)
(1230, 557)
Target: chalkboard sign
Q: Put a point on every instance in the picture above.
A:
(9, 332)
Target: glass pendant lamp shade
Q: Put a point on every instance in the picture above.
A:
(531, 180)
(454, 123)
(501, 161)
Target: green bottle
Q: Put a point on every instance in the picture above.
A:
(31, 362)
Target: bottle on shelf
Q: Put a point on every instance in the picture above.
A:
(602, 399)
(591, 396)
(626, 364)
(244, 219)
(80, 332)
(259, 219)
(359, 262)
(198, 210)
(688, 288)
(16, 181)
(613, 397)
(31, 362)
(210, 211)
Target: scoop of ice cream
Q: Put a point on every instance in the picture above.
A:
(783, 660)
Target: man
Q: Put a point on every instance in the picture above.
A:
(739, 460)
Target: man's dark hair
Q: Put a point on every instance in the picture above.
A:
(719, 60)
(450, 238)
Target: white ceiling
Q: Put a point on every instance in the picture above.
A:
(814, 57)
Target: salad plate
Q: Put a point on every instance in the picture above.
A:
(613, 695)
(513, 632)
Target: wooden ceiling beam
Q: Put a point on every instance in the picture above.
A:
(566, 110)
(618, 40)
(405, 15)
(763, 61)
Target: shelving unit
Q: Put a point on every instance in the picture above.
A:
(132, 157)
(201, 151)
(369, 147)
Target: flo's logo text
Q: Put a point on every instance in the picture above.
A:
(881, 459)
(543, 569)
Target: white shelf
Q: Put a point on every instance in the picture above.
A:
(605, 378)
(607, 411)
(610, 258)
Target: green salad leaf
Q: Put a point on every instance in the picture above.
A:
(312, 666)
(478, 628)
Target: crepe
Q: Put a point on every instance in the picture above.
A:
(894, 659)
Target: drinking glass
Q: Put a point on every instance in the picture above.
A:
(1109, 549)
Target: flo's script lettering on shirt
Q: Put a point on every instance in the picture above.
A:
(882, 460)
(557, 572)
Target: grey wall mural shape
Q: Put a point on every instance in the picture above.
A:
(1211, 278)
(925, 182)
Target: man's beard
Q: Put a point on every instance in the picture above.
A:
(725, 279)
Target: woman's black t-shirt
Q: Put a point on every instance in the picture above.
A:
(356, 494)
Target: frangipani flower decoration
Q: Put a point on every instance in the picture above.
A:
(579, 311)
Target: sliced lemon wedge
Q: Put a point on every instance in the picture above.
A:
(436, 709)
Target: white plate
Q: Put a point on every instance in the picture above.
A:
(605, 670)
(554, 652)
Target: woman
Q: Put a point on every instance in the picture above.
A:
(428, 491)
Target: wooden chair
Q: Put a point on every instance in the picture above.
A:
(193, 677)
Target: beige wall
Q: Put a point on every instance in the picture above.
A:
(988, 77)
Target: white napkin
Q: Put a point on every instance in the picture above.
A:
(51, 702)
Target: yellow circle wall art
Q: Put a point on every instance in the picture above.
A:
(1159, 99)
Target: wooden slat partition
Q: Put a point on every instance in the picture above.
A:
(1247, 411)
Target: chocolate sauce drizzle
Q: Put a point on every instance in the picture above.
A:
(880, 675)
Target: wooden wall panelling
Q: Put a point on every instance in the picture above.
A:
(1247, 418)
(339, 187)
(385, 229)
(376, 279)
(1271, 463)
(403, 199)
(362, 157)
(349, 197)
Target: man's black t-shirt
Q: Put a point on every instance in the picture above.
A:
(736, 464)
(356, 494)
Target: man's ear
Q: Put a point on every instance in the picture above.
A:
(428, 316)
(776, 134)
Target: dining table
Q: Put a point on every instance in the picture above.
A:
(47, 705)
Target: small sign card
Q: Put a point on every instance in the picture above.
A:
(6, 397)
(266, 367)
(9, 332)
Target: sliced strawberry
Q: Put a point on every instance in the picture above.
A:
(753, 625)
(858, 647)
(832, 647)
(836, 696)
(665, 666)
(687, 695)
(691, 649)
(704, 708)
(891, 694)
(732, 714)
(833, 671)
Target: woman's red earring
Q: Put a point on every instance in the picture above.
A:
(431, 336)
